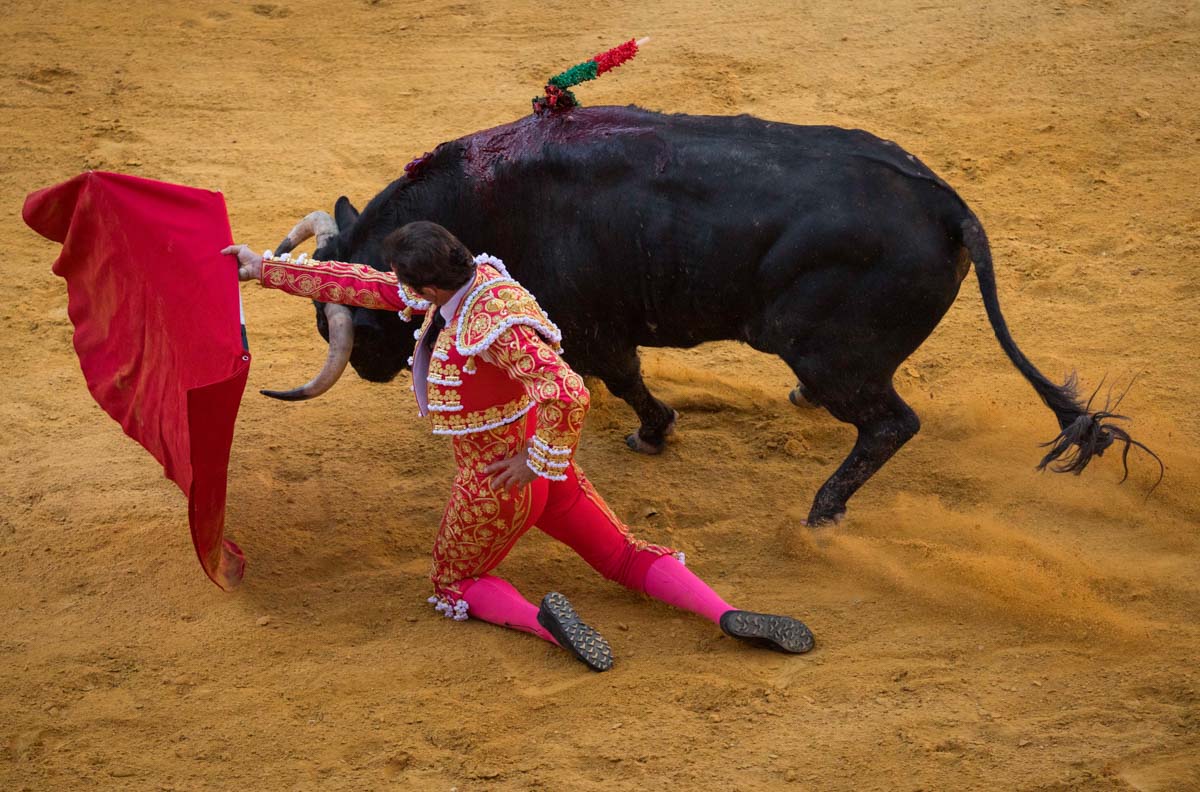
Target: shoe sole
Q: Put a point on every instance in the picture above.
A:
(781, 633)
(561, 620)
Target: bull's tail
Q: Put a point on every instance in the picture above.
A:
(1083, 434)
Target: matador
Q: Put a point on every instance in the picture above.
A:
(488, 372)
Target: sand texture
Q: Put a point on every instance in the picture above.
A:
(980, 625)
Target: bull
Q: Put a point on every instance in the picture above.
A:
(831, 248)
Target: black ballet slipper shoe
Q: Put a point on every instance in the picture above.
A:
(561, 621)
(781, 633)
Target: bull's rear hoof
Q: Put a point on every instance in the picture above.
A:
(800, 397)
(825, 520)
(636, 443)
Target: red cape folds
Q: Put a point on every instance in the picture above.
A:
(157, 329)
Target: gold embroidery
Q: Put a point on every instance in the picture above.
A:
(480, 525)
(440, 369)
(442, 344)
(452, 422)
(307, 281)
(358, 271)
(562, 398)
(487, 312)
(443, 396)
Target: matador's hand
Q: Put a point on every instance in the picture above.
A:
(512, 473)
(249, 262)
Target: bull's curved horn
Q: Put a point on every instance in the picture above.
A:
(341, 342)
(318, 224)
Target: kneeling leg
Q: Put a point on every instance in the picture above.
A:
(496, 601)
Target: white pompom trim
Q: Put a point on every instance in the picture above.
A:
(535, 454)
(484, 258)
(546, 448)
(543, 473)
(416, 305)
(457, 611)
(549, 330)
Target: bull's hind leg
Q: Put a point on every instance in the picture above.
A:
(623, 376)
(885, 423)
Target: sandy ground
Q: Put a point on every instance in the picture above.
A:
(981, 626)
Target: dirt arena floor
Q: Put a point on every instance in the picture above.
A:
(980, 625)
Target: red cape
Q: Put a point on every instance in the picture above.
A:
(157, 329)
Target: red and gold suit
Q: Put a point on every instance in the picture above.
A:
(494, 381)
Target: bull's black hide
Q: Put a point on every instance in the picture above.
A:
(835, 250)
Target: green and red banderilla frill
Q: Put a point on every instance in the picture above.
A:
(558, 96)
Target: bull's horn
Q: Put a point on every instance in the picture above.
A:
(318, 224)
(341, 342)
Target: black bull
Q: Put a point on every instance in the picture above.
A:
(835, 250)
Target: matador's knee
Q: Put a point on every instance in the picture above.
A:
(629, 566)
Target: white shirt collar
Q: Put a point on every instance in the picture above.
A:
(448, 310)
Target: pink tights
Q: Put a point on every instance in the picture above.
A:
(572, 512)
(497, 601)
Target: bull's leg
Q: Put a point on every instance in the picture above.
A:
(885, 423)
(624, 378)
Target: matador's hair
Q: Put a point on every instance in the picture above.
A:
(424, 254)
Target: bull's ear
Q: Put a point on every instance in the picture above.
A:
(344, 213)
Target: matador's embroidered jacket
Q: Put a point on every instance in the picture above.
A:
(497, 359)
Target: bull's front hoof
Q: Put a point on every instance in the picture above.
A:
(636, 443)
(640, 444)
(670, 430)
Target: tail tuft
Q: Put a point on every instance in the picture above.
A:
(1090, 435)
(1083, 434)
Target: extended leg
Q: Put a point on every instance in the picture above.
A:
(624, 378)
(577, 516)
